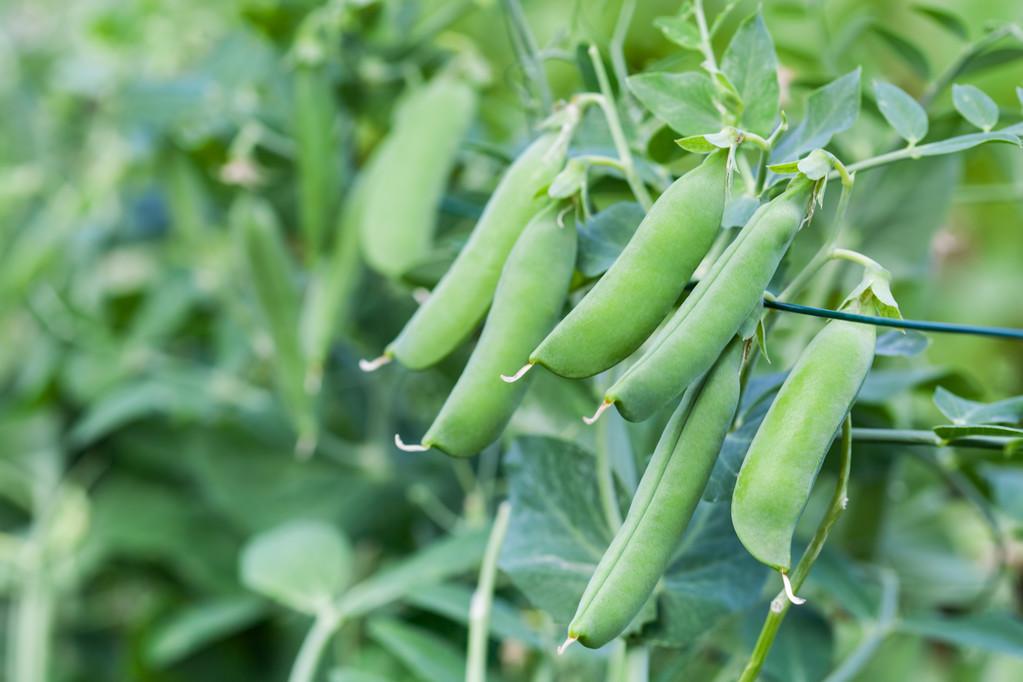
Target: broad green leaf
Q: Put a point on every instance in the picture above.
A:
(803, 650)
(901, 344)
(962, 411)
(697, 144)
(603, 237)
(680, 30)
(882, 385)
(963, 142)
(910, 53)
(989, 59)
(751, 64)
(453, 601)
(949, 21)
(976, 106)
(304, 565)
(199, 625)
(952, 433)
(1006, 485)
(685, 101)
(443, 559)
(830, 110)
(726, 468)
(902, 111)
(1000, 632)
(430, 657)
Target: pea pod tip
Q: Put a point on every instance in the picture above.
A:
(589, 421)
(374, 364)
(512, 378)
(405, 447)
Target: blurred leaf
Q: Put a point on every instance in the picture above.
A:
(909, 52)
(198, 625)
(603, 237)
(430, 657)
(993, 631)
(975, 106)
(752, 65)
(949, 21)
(830, 110)
(962, 411)
(685, 101)
(883, 384)
(453, 601)
(680, 30)
(904, 344)
(803, 650)
(952, 433)
(304, 565)
(901, 111)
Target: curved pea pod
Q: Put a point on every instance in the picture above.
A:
(460, 299)
(789, 447)
(715, 310)
(665, 500)
(640, 288)
(528, 301)
(409, 172)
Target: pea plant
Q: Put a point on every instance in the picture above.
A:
(387, 340)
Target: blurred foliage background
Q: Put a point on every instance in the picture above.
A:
(142, 436)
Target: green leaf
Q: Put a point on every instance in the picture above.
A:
(680, 30)
(952, 433)
(569, 181)
(303, 564)
(993, 631)
(947, 20)
(751, 65)
(1006, 484)
(685, 101)
(430, 657)
(830, 109)
(697, 144)
(803, 650)
(455, 554)
(975, 106)
(198, 625)
(603, 237)
(909, 52)
(453, 601)
(903, 344)
(883, 384)
(962, 411)
(901, 111)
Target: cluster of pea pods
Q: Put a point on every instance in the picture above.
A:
(519, 262)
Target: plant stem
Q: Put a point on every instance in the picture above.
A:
(614, 124)
(529, 53)
(308, 659)
(925, 438)
(605, 478)
(705, 46)
(617, 46)
(780, 605)
(637, 663)
(28, 641)
(483, 599)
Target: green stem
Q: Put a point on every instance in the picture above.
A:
(31, 623)
(926, 438)
(637, 663)
(705, 46)
(614, 124)
(617, 46)
(780, 605)
(605, 477)
(483, 599)
(530, 57)
(316, 640)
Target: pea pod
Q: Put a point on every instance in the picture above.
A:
(409, 172)
(634, 295)
(530, 295)
(460, 300)
(694, 336)
(789, 447)
(665, 500)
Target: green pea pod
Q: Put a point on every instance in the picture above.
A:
(665, 500)
(460, 300)
(529, 298)
(409, 172)
(317, 159)
(694, 336)
(789, 447)
(642, 285)
(272, 278)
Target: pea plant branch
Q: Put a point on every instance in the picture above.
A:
(782, 602)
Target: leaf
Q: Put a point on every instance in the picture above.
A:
(882, 385)
(901, 344)
(909, 52)
(993, 631)
(962, 411)
(803, 649)
(451, 556)
(697, 144)
(430, 657)
(569, 181)
(1006, 484)
(198, 625)
(952, 433)
(603, 237)
(947, 20)
(302, 564)
(685, 101)
(901, 111)
(680, 30)
(830, 109)
(975, 106)
(453, 601)
(751, 65)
